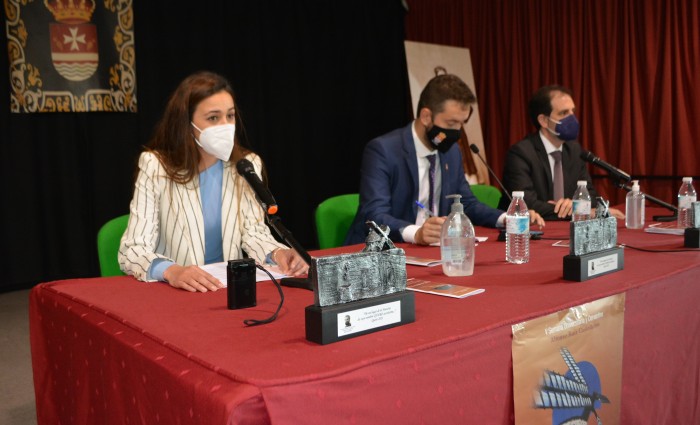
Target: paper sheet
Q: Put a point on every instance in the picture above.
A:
(218, 270)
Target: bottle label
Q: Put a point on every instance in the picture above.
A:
(581, 207)
(686, 201)
(519, 225)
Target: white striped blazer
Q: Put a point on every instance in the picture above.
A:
(166, 220)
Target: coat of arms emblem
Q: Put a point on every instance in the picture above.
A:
(74, 50)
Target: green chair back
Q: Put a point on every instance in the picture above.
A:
(333, 219)
(108, 239)
(487, 194)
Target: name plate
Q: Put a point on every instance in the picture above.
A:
(364, 319)
(587, 266)
(325, 325)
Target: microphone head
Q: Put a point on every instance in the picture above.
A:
(244, 166)
(474, 148)
(587, 156)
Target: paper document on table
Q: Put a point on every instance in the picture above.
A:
(439, 288)
(218, 270)
(478, 239)
(665, 228)
(420, 261)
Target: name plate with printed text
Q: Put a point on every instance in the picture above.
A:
(334, 323)
(356, 294)
(587, 266)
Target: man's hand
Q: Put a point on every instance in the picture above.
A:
(616, 213)
(563, 207)
(430, 231)
(191, 278)
(536, 218)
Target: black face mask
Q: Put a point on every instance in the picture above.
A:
(443, 138)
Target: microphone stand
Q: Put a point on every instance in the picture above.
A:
(622, 184)
(293, 282)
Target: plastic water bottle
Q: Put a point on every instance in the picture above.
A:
(686, 197)
(634, 208)
(582, 202)
(457, 242)
(517, 230)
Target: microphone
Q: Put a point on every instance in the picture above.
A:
(614, 171)
(262, 193)
(534, 234)
(475, 149)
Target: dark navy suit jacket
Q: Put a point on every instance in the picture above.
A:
(527, 168)
(389, 187)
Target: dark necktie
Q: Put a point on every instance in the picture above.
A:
(431, 186)
(558, 179)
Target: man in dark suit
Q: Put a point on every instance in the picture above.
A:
(418, 164)
(531, 164)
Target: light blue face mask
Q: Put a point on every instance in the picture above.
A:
(566, 129)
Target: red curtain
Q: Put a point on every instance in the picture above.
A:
(634, 68)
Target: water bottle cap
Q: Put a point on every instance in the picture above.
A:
(582, 183)
(635, 185)
(518, 194)
(687, 179)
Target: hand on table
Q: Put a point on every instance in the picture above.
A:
(191, 278)
(563, 207)
(536, 218)
(289, 262)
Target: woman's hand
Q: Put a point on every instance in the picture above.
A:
(191, 278)
(289, 262)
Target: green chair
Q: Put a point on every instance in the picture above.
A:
(487, 194)
(108, 239)
(333, 219)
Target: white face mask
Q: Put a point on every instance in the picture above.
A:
(217, 140)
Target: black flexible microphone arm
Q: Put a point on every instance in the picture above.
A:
(286, 235)
(475, 149)
(294, 282)
(620, 179)
(622, 185)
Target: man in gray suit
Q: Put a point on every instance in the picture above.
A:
(546, 165)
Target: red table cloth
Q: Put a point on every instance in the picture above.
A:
(119, 351)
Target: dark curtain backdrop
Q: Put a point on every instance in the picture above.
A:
(634, 68)
(314, 80)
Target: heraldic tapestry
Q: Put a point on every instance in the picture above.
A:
(71, 55)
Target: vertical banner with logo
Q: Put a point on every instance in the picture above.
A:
(71, 55)
(567, 366)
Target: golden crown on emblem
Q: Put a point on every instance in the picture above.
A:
(71, 11)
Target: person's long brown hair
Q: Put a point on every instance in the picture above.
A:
(173, 138)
